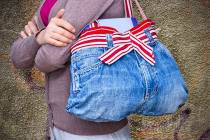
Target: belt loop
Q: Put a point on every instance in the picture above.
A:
(109, 40)
(152, 41)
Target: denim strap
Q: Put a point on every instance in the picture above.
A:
(109, 41)
(152, 41)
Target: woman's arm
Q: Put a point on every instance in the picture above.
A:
(79, 13)
(24, 49)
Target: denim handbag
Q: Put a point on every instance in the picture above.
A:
(119, 67)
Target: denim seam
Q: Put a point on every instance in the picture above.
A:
(146, 82)
(75, 82)
(152, 41)
(109, 40)
(144, 76)
(78, 58)
(85, 70)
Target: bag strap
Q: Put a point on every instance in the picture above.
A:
(128, 9)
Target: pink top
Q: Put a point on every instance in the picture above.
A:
(45, 10)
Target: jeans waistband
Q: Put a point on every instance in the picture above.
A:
(137, 38)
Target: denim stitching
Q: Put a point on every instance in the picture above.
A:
(85, 70)
(152, 41)
(143, 74)
(75, 80)
(109, 40)
(78, 58)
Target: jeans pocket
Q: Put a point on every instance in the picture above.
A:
(87, 59)
(84, 63)
(74, 79)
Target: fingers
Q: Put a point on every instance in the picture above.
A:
(23, 34)
(56, 43)
(60, 13)
(58, 32)
(57, 36)
(61, 38)
(65, 33)
(28, 30)
(64, 24)
(33, 27)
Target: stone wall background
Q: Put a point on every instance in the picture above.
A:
(185, 29)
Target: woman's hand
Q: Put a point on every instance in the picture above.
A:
(58, 32)
(30, 29)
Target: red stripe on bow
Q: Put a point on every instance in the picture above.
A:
(131, 42)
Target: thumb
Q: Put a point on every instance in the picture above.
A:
(60, 13)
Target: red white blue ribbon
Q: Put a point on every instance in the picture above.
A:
(123, 43)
